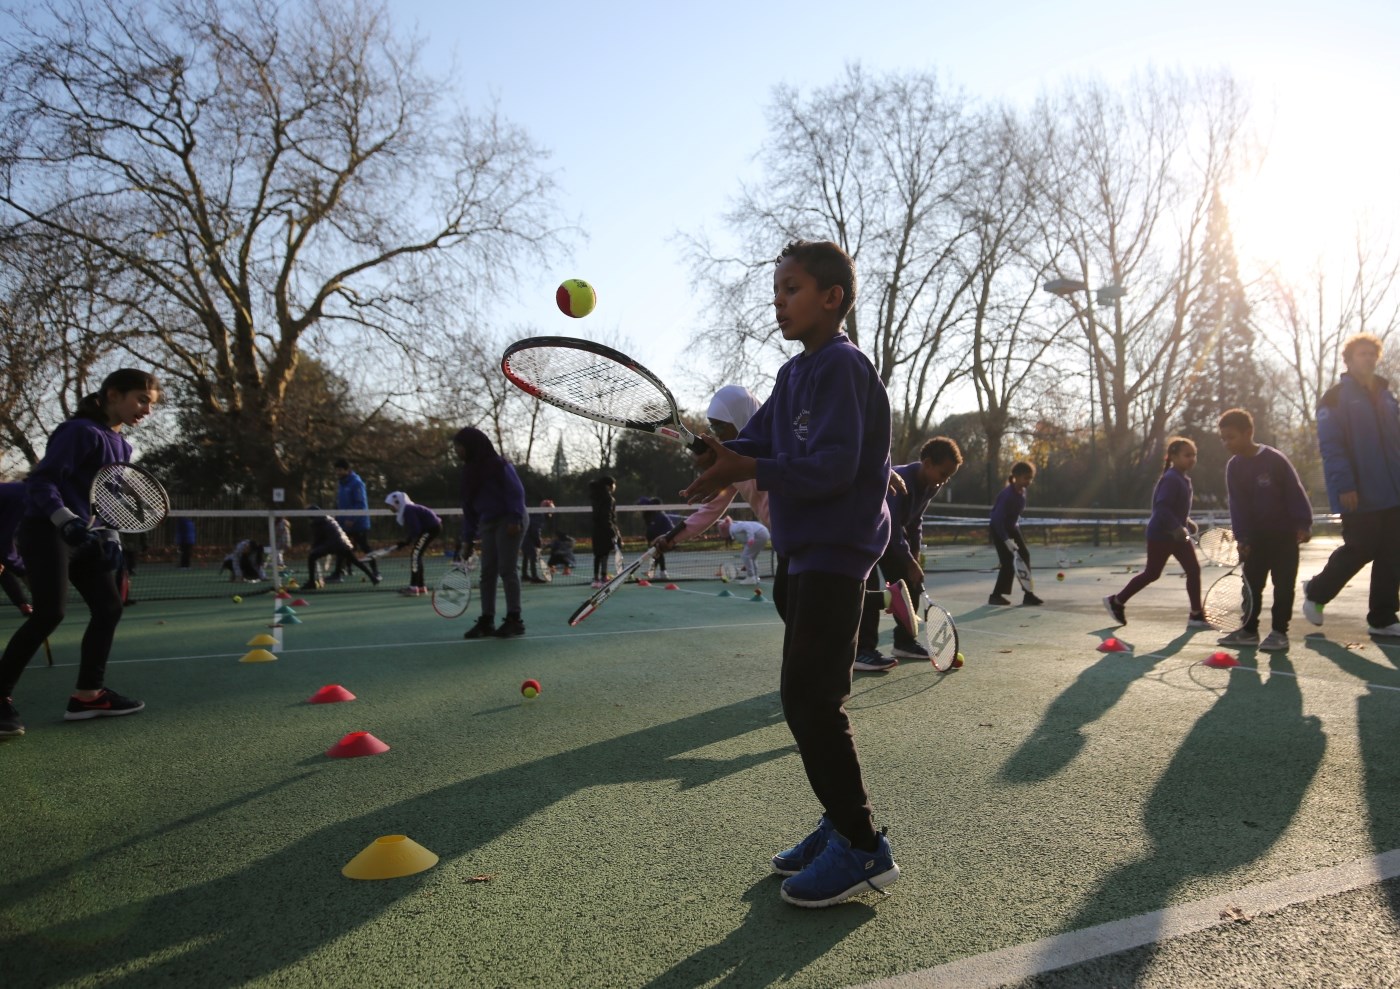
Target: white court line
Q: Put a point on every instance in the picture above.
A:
(1025, 961)
(438, 642)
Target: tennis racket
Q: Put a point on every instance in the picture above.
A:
(596, 382)
(127, 498)
(939, 636)
(453, 592)
(1229, 602)
(1023, 569)
(729, 572)
(1218, 546)
(379, 554)
(603, 593)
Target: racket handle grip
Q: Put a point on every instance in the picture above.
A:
(697, 446)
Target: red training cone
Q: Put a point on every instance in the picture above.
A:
(643, 583)
(1111, 644)
(672, 587)
(357, 743)
(331, 693)
(300, 603)
(1222, 660)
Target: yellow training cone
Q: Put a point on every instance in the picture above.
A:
(390, 857)
(262, 639)
(258, 656)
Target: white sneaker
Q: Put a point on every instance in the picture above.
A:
(1386, 631)
(596, 584)
(1277, 641)
(665, 575)
(1312, 611)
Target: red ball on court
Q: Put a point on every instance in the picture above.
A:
(576, 298)
(530, 688)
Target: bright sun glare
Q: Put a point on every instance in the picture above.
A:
(1331, 165)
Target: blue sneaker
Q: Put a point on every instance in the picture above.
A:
(841, 872)
(805, 852)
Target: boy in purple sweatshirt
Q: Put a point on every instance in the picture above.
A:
(1271, 516)
(820, 448)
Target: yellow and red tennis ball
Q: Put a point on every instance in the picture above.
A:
(530, 688)
(1060, 575)
(576, 298)
(958, 661)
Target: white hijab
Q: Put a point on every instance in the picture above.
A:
(397, 500)
(733, 403)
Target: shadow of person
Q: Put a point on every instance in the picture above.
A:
(1059, 737)
(234, 928)
(1230, 791)
(1377, 728)
(754, 955)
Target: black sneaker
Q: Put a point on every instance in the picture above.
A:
(485, 626)
(1031, 599)
(1115, 609)
(9, 718)
(510, 628)
(108, 704)
(1000, 599)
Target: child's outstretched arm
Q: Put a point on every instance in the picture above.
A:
(728, 467)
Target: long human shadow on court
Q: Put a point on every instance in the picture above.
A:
(1377, 729)
(1231, 789)
(1059, 737)
(279, 909)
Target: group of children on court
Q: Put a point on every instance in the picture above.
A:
(814, 464)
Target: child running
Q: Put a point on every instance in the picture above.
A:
(1169, 535)
(493, 512)
(60, 546)
(820, 447)
(421, 526)
(1271, 517)
(1005, 530)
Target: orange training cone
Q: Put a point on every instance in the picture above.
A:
(389, 857)
(331, 693)
(1222, 660)
(357, 743)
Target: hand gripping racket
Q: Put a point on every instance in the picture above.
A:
(453, 592)
(127, 498)
(596, 382)
(603, 593)
(940, 637)
(1229, 602)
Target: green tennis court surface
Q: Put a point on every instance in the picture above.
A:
(616, 830)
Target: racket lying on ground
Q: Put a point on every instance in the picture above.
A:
(596, 382)
(940, 636)
(1218, 546)
(1229, 602)
(453, 592)
(379, 554)
(127, 498)
(603, 593)
(1023, 569)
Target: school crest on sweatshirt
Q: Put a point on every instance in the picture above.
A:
(799, 424)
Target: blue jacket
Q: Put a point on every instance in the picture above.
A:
(350, 493)
(822, 442)
(1358, 433)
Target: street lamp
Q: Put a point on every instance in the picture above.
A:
(1108, 295)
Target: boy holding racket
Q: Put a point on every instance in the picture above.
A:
(1271, 516)
(939, 459)
(60, 546)
(820, 447)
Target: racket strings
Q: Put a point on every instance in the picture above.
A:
(590, 381)
(129, 500)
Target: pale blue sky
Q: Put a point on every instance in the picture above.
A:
(654, 111)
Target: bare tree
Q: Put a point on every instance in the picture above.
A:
(1128, 188)
(253, 171)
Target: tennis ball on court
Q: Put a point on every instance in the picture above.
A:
(238, 599)
(576, 298)
(958, 661)
(530, 688)
(1060, 575)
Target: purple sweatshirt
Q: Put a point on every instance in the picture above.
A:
(1266, 495)
(1171, 505)
(1006, 512)
(63, 476)
(418, 519)
(822, 442)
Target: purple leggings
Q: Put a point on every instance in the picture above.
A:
(1158, 552)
